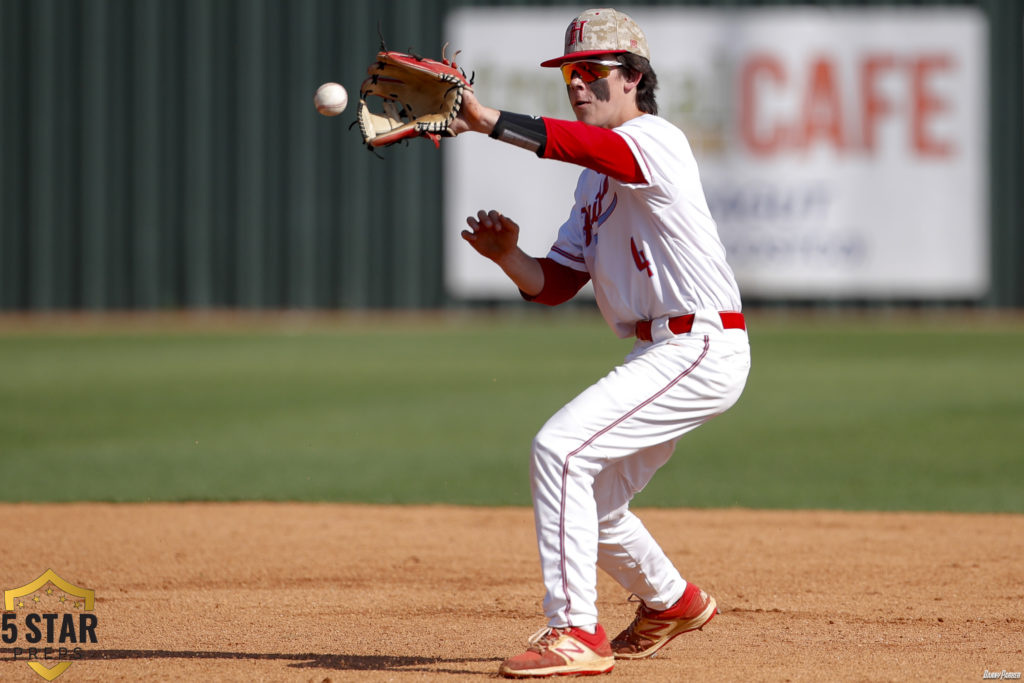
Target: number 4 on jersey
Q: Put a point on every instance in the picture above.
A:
(640, 259)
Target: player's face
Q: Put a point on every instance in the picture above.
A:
(597, 92)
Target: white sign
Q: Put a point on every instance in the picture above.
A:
(843, 151)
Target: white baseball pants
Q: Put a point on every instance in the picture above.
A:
(603, 447)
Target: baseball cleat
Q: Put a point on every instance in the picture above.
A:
(652, 630)
(562, 652)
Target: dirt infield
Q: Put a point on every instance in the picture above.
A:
(284, 592)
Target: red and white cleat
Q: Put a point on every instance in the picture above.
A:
(562, 652)
(652, 630)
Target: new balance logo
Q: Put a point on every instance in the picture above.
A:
(655, 629)
(568, 648)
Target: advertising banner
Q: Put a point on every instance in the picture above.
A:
(843, 151)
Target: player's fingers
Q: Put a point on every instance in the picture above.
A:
(468, 236)
(489, 219)
(495, 220)
(507, 222)
(480, 226)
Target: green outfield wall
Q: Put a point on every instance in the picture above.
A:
(165, 154)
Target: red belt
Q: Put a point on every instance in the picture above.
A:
(731, 320)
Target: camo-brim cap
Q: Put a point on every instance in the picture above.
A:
(599, 32)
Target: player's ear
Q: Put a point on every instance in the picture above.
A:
(631, 80)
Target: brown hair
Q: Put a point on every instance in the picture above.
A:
(635, 64)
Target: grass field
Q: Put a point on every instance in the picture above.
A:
(883, 412)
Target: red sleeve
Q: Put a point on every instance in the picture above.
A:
(561, 283)
(600, 149)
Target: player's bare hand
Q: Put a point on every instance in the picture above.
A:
(492, 234)
(473, 116)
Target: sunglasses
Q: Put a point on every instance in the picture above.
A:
(588, 70)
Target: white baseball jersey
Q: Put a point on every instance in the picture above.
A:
(652, 250)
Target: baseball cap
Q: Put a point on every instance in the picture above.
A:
(598, 32)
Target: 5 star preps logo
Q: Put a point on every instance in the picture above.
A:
(47, 621)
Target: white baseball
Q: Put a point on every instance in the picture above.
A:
(331, 99)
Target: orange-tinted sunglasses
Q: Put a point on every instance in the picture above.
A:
(588, 70)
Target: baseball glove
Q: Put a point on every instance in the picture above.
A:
(418, 97)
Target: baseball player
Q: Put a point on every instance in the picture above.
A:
(641, 232)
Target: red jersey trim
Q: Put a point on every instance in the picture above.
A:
(571, 257)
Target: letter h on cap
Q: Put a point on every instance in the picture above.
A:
(575, 34)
